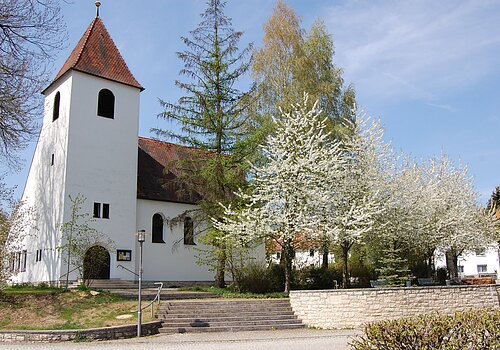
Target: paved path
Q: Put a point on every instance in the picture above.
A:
(302, 339)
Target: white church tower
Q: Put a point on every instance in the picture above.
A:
(87, 145)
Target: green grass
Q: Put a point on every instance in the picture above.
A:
(229, 293)
(29, 289)
(44, 308)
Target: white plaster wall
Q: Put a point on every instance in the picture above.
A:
(102, 159)
(471, 260)
(172, 260)
(44, 189)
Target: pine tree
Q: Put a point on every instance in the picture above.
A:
(394, 269)
(211, 114)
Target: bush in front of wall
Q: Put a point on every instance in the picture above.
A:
(472, 330)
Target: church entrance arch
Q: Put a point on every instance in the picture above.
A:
(96, 264)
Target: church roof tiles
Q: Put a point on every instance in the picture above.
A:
(97, 54)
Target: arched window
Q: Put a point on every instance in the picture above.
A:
(106, 104)
(57, 103)
(188, 231)
(157, 229)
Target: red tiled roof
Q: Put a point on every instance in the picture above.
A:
(153, 182)
(97, 54)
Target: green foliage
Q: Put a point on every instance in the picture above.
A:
(474, 330)
(230, 293)
(394, 270)
(212, 118)
(317, 278)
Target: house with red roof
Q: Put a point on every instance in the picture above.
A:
(89, 145)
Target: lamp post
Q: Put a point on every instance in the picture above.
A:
(141, 237)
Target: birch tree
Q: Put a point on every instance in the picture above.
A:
(288, 189)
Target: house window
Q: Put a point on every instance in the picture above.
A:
(311, 252)
(188, 231)
(482, 268)
(38, 255)
(481, 252)
(158, 229)
(105, 211)
(460, 269)
(57, 102)
(106, 104)
(97, 210)
(23, 260)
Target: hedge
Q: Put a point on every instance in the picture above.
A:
(472, 330)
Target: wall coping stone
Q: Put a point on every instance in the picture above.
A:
(413, 288)
(104, 333)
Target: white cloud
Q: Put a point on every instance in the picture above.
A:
(418, 49)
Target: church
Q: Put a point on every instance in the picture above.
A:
(89, 146)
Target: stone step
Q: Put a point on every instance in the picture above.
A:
(224, 302)
(211, 318)
(230, 328)
(220, 313)
(200, 323)
(166, 296)
(227, 315)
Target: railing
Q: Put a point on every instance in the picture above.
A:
(67, 273)
(123, 267)
(156, 298)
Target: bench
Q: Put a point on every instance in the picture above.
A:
(426, 282)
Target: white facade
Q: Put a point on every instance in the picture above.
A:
(476, 264)
(97, 157)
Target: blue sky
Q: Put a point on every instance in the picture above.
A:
(428, 69)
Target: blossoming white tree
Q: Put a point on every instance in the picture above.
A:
(352, 198)
(287, 189)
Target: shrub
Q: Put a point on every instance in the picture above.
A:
(254, 279)
(316, 278)
(471, 330)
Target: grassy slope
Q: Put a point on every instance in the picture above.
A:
(55, 309)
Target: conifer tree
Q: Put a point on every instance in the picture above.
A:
(211, 115)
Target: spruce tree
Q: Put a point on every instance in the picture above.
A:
(211, 116)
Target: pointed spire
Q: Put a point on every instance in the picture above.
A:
(97, 54)
(97, 4)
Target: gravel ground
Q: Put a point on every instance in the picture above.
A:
(302, 339)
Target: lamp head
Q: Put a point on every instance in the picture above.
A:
(141, 236)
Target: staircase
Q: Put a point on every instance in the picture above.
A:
(227, 315)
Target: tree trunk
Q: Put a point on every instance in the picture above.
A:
(288, 256)
(324, 262)
(452, 263)
(220, 281)
(345, 256)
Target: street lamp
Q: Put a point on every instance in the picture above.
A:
(141, 237)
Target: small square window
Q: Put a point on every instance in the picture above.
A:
(482, 268)
(311, 252)
(97, 210)
(460, 269)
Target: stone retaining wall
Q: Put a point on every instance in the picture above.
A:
(107, 333)
(341, 308)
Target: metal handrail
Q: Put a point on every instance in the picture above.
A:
(157, 297)
(67, 273)
(123, 267)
